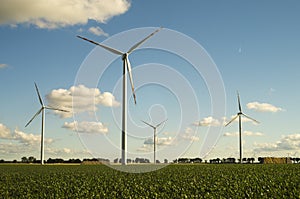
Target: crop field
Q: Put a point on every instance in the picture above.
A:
(173, 181)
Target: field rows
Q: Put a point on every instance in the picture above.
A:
(174, 181)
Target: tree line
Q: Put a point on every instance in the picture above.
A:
(251, 160)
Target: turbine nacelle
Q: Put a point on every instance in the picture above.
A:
(125, 56)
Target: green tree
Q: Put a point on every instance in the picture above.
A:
(24, 159)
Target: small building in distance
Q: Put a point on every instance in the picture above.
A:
(275, 160)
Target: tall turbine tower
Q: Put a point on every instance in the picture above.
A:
(154, 137)
(126, 68)
(239, 115)
(42, 110)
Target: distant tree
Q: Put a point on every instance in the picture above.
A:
(260, 159)
(297, 160)
(166, 161)
(31, 159)
(244, 159)
(24, 159)
(73, 161)
(196, 160)
(15, 161)
(183, 160)
(218, 160)
(116, 160)
(252, 160)
(1, 161)
(293, 160)
(157, 161)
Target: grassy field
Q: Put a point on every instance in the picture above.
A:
(174, 181)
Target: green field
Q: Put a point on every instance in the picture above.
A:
(174, 181)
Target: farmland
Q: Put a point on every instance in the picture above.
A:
(174, 181)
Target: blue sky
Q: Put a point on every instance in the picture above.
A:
(253, 45)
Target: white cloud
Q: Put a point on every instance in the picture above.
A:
(98, 31)
(3, 66)
(164, 141)
(145, 148)
(21, 137)
(57, 13)
(148, 143)
(208, 121)
(4, 132)
(86, 127)
(245, 133)
(79, 99)
(287, 142)
(250, 133)
(263, 107)
(189, 134)
(29, 139)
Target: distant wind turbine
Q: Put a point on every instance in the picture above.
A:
(154, 136)
(239, 115)
(42, 110)
(126, 64)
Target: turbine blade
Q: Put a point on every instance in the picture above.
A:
(139, 43)
(103, 46)
(231, 120)
(161, 123)
(148, 124)
(239, 101)
(254, 120)
(37, 90)
(130, 77)
(37, 113)
(56, 109)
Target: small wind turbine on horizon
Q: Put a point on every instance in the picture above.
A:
(239, 115)
(154, 137)
(126, 68)
(42, 110)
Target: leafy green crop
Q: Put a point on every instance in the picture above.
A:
(174, 181)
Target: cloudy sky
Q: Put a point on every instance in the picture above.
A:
(189, 73)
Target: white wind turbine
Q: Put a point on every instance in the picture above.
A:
(126, 64)
(239, 115)
(42, 110)
(154, 137)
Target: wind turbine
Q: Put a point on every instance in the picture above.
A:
(239, 115)
(126, 64)
(42, 110)
(154, 136)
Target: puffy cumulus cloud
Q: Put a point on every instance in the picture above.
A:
(263, 107)
(245, 133)
(4, 132)
(3, 66)
(287, 142)
(79, 99)
(146, 148)
(86, 127)
(208, 121)
(98, 31)
(57, 13)
(164, 141)
(250, 133)
(189, 134)
(29, 139)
